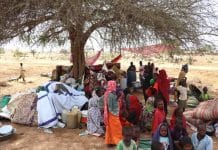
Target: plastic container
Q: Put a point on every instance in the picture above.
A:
(74, 118)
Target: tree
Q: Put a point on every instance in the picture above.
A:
(119, 22)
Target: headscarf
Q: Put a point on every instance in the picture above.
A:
(163, 84)
(156, 136)
(111, 87)
(93, 102)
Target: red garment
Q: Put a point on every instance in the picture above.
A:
(111, 86)
(159, 117)
(135, 106)
(163, 85)
(173, 122)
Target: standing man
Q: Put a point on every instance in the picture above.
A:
(131, 74)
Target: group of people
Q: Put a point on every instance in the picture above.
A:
(122, 117)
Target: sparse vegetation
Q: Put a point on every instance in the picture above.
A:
(18, 53)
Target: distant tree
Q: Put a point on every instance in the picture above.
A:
(119, 22)
(206, 48)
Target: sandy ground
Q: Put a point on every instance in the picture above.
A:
(204, 71)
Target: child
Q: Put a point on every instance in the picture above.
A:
(178, 133)
(21, 73)
(136, 133)
(148, 112)
(155, 145)
(163, 136)
(177, 115)
(186, 143)
(159, 115)
(127, 143)
(183, 90)
(204, 95)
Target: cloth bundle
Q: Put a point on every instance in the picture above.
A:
(207, 110)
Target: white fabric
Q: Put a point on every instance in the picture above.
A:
(51, 105)
(183, 92)
(46, 110)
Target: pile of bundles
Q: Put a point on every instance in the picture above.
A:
(206, 111)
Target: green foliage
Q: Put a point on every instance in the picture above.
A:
(2, 51)
(18, 53)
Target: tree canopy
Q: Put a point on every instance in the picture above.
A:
(119, 22)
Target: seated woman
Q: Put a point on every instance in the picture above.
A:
(94, 114)
(163, 136)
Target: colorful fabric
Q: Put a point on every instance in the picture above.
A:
(159, 117)
(205, 144)
(123, 113)
(122, 146)
(130, 109)
(147, 114)
(94, 116)
(111, 87)
(207, 110)
(113, 130)
(162, 85)
(25, 110)
(116, 59)
(173, 122)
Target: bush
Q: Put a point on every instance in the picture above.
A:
(18, 53)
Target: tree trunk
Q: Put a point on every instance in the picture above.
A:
(77, 50)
